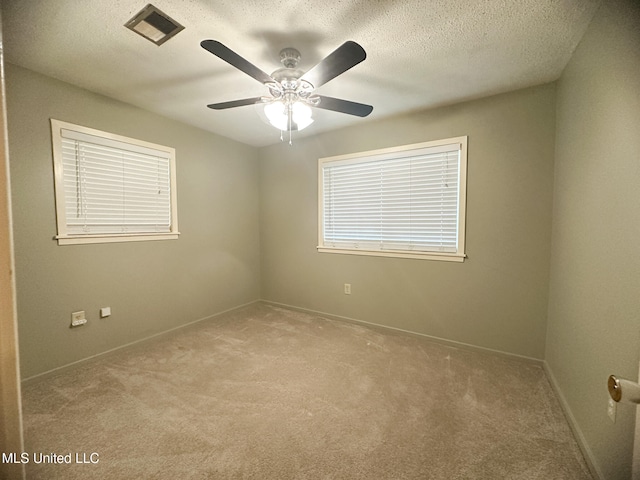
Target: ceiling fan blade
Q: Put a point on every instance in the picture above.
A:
(339, 61)
(235, 60)
(344, 106)
(234, 103)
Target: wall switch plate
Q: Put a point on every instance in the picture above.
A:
(611, 410)
(105, 312)
(347, 289)
(78, 319)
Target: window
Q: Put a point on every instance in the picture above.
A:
(111, 188)
(406, 201)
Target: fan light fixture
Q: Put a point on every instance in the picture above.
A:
(288, 116)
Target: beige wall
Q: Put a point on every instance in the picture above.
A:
(150, 286)
(497, 298)
(594, 307)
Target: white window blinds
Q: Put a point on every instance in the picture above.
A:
(396, 201)
(110, 186)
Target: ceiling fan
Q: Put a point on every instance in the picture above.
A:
(292, 91)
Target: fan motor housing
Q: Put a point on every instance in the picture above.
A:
(287, 74)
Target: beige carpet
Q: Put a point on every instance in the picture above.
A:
(268, 393)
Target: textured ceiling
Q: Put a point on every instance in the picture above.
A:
(420, 53)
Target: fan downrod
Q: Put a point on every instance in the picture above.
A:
(290, 57)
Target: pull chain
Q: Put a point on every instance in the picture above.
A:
(290, 125)
(290, 134)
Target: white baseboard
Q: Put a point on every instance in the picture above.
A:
(573, 424)
(444, 341)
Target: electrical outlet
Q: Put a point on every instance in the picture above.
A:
(611, 409)
(105, 312)
(78, 319)
(347, 289)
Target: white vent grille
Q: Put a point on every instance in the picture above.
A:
(154, 25)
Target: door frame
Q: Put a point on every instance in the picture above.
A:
(11, 433)
(636, 444)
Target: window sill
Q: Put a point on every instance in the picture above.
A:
(80, 239)
(444, 257)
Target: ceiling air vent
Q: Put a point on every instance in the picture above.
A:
(154, 25)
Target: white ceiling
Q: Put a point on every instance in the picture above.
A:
(420, 53)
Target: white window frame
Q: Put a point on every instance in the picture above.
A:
(67, 235)
(326, 246)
